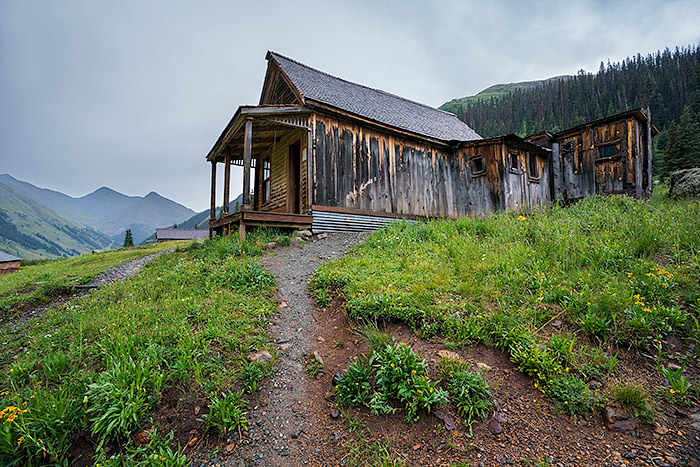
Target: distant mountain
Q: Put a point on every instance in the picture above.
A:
(495, 92)
(31, 231)
(106, 210)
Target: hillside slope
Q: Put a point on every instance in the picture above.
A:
(32, 231)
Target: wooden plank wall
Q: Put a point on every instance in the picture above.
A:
(366, 169)
(279, 161)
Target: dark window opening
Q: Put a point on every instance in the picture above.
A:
(266, 179)
(533, 168)
(478, 167)
(608, 151)
(514, 163)
(567, 146)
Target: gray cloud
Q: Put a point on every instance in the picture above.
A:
(132, 94)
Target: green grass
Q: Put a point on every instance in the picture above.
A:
(101, 363)
(39, 283)
(617, 271)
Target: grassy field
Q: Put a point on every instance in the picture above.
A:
(101, 364)
(614, 273)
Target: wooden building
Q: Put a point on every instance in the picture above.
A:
(608, 156)
(9, 263)
(334, 155)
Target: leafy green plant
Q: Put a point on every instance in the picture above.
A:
(633, 399)
(253, 373)
(470, 393)
(398, 374)
(157, 452)
(447, 366)
(227, 413)
(313, 366)
(678, 383)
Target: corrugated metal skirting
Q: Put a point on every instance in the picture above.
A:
(335, 222)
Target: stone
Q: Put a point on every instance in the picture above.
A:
(230, 447)
(557, 323)
(335, 413)
(283, 304)
(495, 423)
(618, 421)
(673, 366)
(449, 354)
(192, 442)
(197, 409)
(144, 437)
(660, 429)
(320, 339)
(685, 184)
(593, 384)
(318, 358)
(671, 460)
(263, 356)
(483, 367)
(321, 236)
(297, 240)
(450, 425)
(269, 246)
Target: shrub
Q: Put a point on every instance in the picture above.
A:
(227, 413)
(471, 395)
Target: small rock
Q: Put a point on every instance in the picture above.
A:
(297, 240)
(321, 236)
(320, 339)
(269, 246)
(230, 447)
(416, 447)
(449, 354)
(660, 429)
(283, 341)
(673, 366)
(495, 423)
(192, 442)
(335, 413)
(263, 356)
(285, 346)
(197, 409)
(446, 418)
(305, 233)
(618, 421)
(671, 460)
(318, 358)
(483, 367)
(143, 437)
(593, 384)
(557, 323)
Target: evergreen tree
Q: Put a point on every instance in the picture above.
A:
(683, 143)
(128, 239)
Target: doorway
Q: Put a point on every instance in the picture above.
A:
(294, 179)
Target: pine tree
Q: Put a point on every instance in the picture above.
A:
(128, 239)
(683, 145)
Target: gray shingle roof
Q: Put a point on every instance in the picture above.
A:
(374, 104)
(6, 257)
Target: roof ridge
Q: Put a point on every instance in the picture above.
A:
(271, 52)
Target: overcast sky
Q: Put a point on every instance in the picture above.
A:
(133, 94)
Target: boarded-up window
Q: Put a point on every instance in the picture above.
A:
(567, 146)
(478, 167)
(533, 168)
(266, 179)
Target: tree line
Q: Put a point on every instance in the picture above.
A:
(667, 82)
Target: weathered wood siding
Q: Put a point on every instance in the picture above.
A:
(279, 169)
(356, 167)
(580, 171)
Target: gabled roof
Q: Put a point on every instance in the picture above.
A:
(380, 106)
(637, 113)
(6, 257)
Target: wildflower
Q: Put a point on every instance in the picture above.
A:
(521, 218)
(19, 441)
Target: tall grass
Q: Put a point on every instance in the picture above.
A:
(616, 270)
(101, 363)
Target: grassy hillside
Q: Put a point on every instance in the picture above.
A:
(495, 92)
(31, 231)
(612, 272)
(99, 367)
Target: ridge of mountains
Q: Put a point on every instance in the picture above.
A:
(40, 223)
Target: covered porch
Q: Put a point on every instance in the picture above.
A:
(273, 140)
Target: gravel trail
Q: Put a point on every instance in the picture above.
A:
(280, 430)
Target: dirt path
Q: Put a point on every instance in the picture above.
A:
(282, 429)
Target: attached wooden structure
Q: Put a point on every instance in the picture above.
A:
(333, 155)
(608, 156)
(9, 263)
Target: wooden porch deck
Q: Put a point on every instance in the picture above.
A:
(241, 220)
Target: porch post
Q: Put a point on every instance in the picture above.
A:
(309, 174)
(212, 213)
(227, 183)
(648, 149)
(247, 150)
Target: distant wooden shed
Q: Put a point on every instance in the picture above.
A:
(608, 156)
(9, 263)
(170, 234)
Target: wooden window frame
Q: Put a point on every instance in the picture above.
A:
(532, 165)
(517, 169)
(472, 166)
(599, 147)
(266, 172)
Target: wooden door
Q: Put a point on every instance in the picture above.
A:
(294, 179)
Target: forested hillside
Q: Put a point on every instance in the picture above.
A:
(667, 82)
